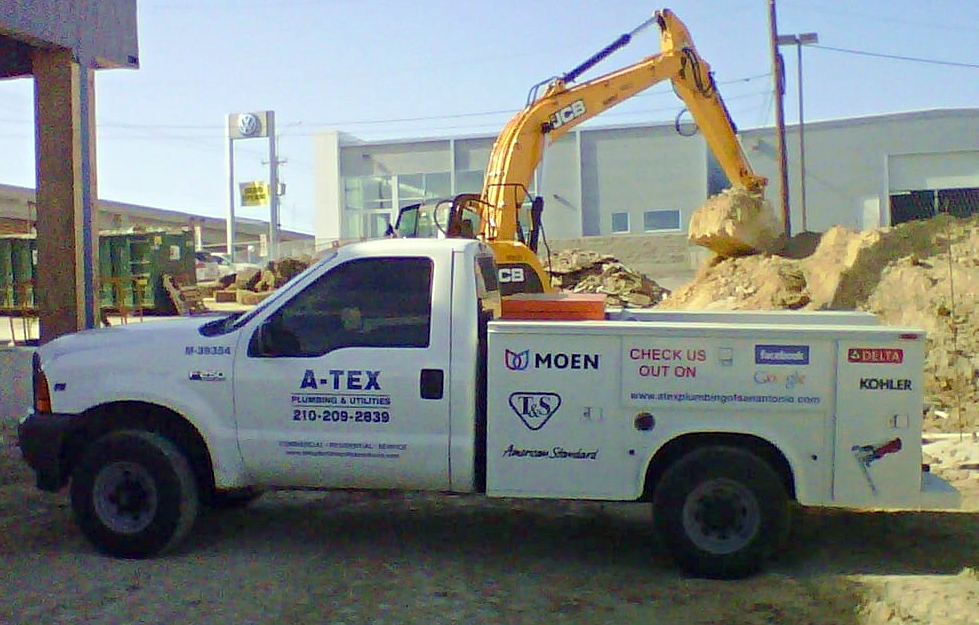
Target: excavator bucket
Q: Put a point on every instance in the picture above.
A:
(736, 222)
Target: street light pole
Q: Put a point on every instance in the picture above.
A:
(799, 41)
(779, 71)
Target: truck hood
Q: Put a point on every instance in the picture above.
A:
(146, 337)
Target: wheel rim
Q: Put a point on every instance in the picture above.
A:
(721, 516)
(124, 497)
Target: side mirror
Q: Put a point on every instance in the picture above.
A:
(270, 340)
(261, 341)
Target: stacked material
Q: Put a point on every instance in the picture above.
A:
(583, 271)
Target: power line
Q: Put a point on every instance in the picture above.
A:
(870, 17)
(895, 57)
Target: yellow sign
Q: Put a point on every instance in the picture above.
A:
(254, 193)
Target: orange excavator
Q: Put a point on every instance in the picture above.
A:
(494, 214)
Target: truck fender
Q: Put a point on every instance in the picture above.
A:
(218, 431)
(683, 443)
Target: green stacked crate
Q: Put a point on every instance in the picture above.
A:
(6, 274)
(141, 263)
(107, 294)
(122, 273)
(23, 260)
(168, 253)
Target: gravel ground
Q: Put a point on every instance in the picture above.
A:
(420, 558)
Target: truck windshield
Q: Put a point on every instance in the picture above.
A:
(237, 320)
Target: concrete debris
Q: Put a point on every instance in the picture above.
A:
(243, 286)
(584, 271)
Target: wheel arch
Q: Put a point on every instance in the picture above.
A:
(678, 447)
(140, 415)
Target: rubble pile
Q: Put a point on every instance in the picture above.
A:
(584, 271)
(923, 274)
(250, 286)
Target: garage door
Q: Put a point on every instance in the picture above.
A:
(919, 172)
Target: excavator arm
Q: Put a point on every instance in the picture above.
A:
(519, 148)
(493, 215)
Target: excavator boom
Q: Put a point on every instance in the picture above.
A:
(520, 146)
(494, 214)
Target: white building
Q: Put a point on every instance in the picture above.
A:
(860, 173)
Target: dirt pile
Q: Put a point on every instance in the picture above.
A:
(923, 273)
(736, 221)
(585, 271)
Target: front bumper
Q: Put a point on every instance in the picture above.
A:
(42, 438)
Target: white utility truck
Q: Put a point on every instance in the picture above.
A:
(387, 365)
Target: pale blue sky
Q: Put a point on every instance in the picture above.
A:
(397, 69)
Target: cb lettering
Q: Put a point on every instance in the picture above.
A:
(511, 274)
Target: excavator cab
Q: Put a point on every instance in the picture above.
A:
(469, 216)
(437, 219)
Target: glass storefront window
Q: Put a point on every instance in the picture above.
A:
(367, 225)
(469, 181)
(415, 188)
(367, 192)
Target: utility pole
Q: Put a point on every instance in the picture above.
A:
(274, 190)
(778, 69)
(798, 41)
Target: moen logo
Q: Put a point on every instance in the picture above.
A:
(535, 409)
(516, 361)
(519, 361)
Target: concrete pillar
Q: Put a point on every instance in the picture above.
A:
(67, 244)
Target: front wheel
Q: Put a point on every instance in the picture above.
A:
(133, 494)
(721, 511)
(234, 499)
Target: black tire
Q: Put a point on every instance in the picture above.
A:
(133, 494)
(721, 512)
(233, 499)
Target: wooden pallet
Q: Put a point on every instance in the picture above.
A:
(187, 299)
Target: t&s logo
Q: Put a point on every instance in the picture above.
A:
(534, 409)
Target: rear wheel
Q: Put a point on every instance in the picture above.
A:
(721, 511)
(133, 494)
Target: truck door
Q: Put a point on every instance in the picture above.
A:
(342, 386)
(878, 426)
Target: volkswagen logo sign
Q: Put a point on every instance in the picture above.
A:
(249, 125)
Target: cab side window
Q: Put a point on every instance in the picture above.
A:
(371, 302)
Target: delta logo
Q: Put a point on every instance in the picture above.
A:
(875, 355)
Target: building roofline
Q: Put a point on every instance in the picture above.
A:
(26, 195)
(840, 121)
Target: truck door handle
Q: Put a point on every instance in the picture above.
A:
(431, 383)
